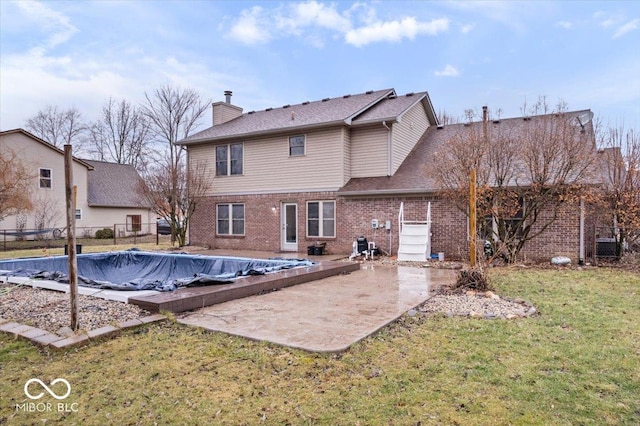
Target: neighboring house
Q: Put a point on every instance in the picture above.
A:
(106, 193)
(286, 178)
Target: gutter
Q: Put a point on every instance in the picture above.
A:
(386, 192)
(279, 130)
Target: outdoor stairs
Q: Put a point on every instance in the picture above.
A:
(415, 238)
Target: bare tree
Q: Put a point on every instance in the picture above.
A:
(16, 181)
(528, 170)
(122, 135)
(58, 127)
(174, 113)
(620, 159)
(176, 204)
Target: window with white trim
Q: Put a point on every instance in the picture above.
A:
(229, 159)
(230, 219)
(296, 145)
(321, 219)
(46, 178)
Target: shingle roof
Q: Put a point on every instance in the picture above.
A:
(416, 173)
(43, 142)
(114, 185)
(340, 110)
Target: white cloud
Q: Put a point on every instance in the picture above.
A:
(466, 29)
(395, 31)
(55, 23)
(251, 27)
(313, 22)
(626, 28)
(312, 14)
(567, 25)
(448, 71)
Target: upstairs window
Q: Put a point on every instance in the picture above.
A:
(229, 159)
(296, 145)
(45, 180)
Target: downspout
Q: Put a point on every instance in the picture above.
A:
(581, 255)
(384, 123)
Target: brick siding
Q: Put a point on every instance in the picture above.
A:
(353, 219)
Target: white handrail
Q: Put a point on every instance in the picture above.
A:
(400, 221)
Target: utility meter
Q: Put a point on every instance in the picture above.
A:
(374, 223)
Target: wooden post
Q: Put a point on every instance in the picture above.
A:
(472, 218)
(70, 193)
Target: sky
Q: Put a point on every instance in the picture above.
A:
(465, 54)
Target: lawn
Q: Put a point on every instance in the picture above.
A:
(577, 362)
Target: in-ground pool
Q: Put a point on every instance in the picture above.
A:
(138, 270)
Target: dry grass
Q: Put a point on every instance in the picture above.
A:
(578, 362)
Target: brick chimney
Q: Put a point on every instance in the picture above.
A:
(224, 111)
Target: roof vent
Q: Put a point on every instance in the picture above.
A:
(467, 124)
(346, 96)
(368, 92)
(286, 106)
(526, 118)
(268, 109)
(410, 94)
(227, 96)
(325, 99)
(305, 103)
(496, 121)
(251, 112)
(440, 126)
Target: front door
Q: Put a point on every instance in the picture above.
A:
(289, 227)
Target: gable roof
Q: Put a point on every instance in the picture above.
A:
(416, 173)
(114, 185)
(346, 110)
(45, 143)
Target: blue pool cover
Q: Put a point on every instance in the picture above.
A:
(138, 270)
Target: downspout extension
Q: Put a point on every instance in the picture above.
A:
(384, 123)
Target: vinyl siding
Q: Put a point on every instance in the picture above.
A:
(346, 147)
(369, 151)
(406, 134)
(269, 168)
(37, 156)
(223, 112)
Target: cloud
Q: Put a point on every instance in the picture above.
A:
(626, 28)
(55, 23)
(448, 71)
(313, 14)
(466, 29)
(313, 22)
(251, 27)
(565, 24)
(395, 31)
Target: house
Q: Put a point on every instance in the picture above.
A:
(331, 171)
(106, 192)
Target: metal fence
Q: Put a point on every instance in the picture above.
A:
(607, 244)
(119, 233)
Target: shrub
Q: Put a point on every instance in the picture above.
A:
(104, 234)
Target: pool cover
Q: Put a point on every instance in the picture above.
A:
(137, 270)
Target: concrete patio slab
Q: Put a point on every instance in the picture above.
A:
(326, 315)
